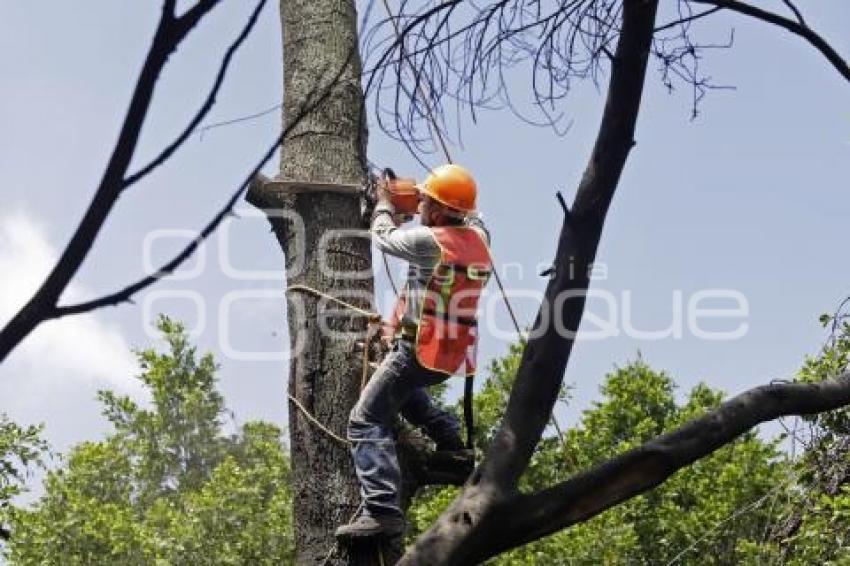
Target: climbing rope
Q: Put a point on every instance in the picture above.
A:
(375, 318)
(371, 316)
(389, 274)
(374, 322)
(318, 423)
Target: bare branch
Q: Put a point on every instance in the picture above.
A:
(680, 57)
(205, 107)
(246, 118)
(166, 38)
(688, 19)
(194, 14)
(529, 517)
(796, 11)
(795, 27)
(464, 64)
(168, 7)
(126, 294)
(43, 304)
(397, 44)
(560, 42)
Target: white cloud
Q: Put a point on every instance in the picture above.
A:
(77, 350)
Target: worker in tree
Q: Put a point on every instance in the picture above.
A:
(435, 333)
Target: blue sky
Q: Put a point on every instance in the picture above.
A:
(751, 197)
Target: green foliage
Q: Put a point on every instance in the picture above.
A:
(637, 404)
(489, 403)
(813, 519)
(167, 486)
(829, 363)
(21, 450)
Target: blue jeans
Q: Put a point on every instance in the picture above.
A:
(398, 385)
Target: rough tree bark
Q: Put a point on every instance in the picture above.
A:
(320, 37)
(329, 147)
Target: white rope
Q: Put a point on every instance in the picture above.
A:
(316, 421)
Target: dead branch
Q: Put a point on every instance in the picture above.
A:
(207, 105)
(170, 32)
(797, 27)
(460, 55)
(529, 517)
(126, 294)
(561, 42)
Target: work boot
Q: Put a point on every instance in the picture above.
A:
(366, 526)
(450, 444)
(451, 466)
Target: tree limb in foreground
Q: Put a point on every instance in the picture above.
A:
(467, 530)
(523, 518)
(170, 32)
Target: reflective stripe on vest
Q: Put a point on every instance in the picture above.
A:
(447, 332)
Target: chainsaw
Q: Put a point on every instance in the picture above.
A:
(402, 191)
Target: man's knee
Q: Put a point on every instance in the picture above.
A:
(362, 426)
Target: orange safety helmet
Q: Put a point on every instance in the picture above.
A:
(451, 185)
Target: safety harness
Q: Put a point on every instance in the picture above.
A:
(444, 337)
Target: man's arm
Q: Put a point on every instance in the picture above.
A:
(416, 244)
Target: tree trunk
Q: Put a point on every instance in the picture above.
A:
(328, 146)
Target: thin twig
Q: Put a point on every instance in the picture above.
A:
(127, 292)
(254, 116)
(795, 27)
(205, 107)
(796, 11)
(170, 32)
(688, 19)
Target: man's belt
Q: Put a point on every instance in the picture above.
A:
(464, 320)
(408, 330)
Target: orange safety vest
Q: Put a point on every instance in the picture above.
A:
(446, 334)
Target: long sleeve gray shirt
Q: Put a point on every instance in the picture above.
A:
(418, 247)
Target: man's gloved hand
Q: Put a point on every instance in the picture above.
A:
(383, 192)
(385, 202)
